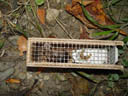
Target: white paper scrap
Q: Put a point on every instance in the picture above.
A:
(95, 56)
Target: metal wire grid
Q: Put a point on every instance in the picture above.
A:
(112, 55)
(71, 53)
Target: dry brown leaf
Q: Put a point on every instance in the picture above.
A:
(41, 15)
(101, 19)
(94, 7)
(96, 10)
(13, 81)
(76, 10)
(51, 36)
(22, 44)
(122, 32)
(79, 86)
(83, 33)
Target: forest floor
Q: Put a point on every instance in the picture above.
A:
(19, 20)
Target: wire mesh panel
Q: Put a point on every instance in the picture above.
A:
(72, 53)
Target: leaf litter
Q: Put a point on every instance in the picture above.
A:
(22, 45)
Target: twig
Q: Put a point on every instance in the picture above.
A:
(25, 3)
(9, 22)
(11, 12)
(11, 28)
(124, 25)
(93, 91)
(58, 21)
(40, 29)
(2, 53)
(33, 86)
(121, 11)
(86, 28)
(48, 4)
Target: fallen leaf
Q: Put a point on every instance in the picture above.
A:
(91, 19)
(83, 33)
(13, 81)
(2, 43)
(122, 32)
(79, 86)
(22, 44)
(51, 36)
(101, 19)
(125, 39)
(76, 10)
(41, 15)
(97, 12)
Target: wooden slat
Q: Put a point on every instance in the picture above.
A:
(82, 66)
(79, 41)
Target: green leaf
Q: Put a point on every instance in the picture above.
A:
(113, 77)
(125, 75)
(114, 2)
(111, 26)
(1, 24)
(29, 8)
(21, 31)
(4, 1)
(125, 19)
(39, 2)
(125, 39)
(125, 62)
(114, 36)
(90, 18)
(112, 17)
(74, 74)
(116, 77)
(111, 84)
(103, 33)
(1, 43)
(121, 51)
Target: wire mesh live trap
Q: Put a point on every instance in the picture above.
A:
(73, 53)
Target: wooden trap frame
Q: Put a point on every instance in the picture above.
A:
(73, 53)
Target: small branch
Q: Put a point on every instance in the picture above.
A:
(64, 28)
(11, 12)
(48, 4)
(39, 27)
(2, 53)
